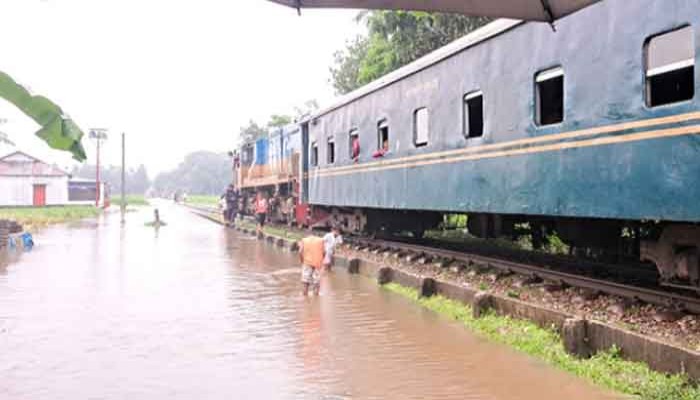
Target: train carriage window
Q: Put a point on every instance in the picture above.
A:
(473, 114)
(330, 154)
(670, 67)
(354, 145)
(549, 96)
(314, 154)
(382, 135)
(421, 125)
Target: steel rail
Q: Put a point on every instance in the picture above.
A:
(662, 298)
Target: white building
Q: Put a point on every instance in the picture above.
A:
(28, 181)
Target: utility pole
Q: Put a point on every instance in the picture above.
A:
(98, 134)
(123, 203)
(97, 176)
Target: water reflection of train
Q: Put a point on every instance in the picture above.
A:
(589, 131)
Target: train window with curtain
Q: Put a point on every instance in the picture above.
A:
(473, 114)
(330, 153)
(314, 154)
(549, 96)
(670, 67)
(421, 125)
(354, 145)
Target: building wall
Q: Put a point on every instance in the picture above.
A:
(19, 191)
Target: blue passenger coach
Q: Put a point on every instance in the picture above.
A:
(589, 130)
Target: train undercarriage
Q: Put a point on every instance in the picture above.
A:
(673, 248)
(282, 202)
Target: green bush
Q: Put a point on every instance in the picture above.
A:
(605, 369)
(41, 216)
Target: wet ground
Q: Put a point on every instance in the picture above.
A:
(193, 310)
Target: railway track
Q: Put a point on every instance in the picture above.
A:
(203, 210)
(646, 292)
(688, 303)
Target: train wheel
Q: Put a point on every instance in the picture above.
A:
(676, 255)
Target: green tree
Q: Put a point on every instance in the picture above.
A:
(345, 70)
(394, 39)
(277, 121)
(251, 131)
(137, 181)
(201, 172)
(306, 109)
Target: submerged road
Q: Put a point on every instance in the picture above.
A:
(196, 311)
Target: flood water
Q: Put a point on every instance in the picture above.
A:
(196, 311)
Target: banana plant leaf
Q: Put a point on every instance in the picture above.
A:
(58, 131)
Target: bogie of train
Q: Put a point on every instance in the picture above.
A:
(590, 131)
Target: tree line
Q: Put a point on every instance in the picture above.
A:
(201, 172)
(137, 180)
(394, 39)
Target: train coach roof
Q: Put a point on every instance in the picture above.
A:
(484, 33)
(529, 10)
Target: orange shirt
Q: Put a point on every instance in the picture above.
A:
(312, 251)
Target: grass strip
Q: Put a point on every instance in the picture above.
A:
(132, 200)
(271, 230)
(202, 199)
(606, 369)
(41, 216)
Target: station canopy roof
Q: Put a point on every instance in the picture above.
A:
(528, 10)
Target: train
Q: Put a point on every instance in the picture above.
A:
(588, 130)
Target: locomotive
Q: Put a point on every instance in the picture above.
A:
(589, 130)
(270, 165)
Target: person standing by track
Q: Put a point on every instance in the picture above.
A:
(231, 197)
(330, 240)
(260, 212)
(311, 255)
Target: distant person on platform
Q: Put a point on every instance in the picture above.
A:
(231, 197)
(311, 255)
(260, 212)
(330, 240)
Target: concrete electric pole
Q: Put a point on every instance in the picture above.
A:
(98, 134)
(122, 208)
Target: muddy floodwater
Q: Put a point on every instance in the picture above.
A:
(196, 311)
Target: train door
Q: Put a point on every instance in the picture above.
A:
(304, 195)
(302, 207)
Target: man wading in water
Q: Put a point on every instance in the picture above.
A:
(311, 255)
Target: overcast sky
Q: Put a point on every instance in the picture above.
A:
(175, 75)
